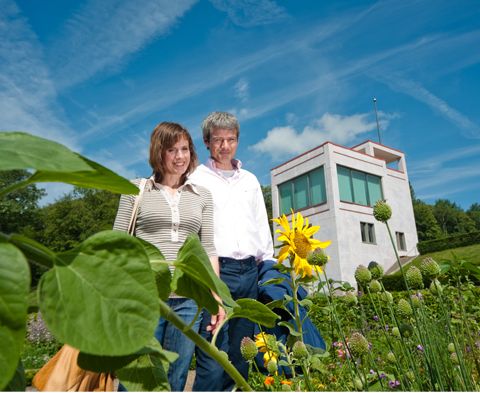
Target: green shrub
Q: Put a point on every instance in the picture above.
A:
(464, 239)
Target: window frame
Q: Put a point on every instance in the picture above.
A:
(367, 232)
(401, 241)
(366, 183)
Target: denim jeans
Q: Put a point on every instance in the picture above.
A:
(174, 340)
(241, 277)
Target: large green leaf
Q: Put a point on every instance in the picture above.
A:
(54, 162)
(194, 276)
(148, 372)
(14, 288)
(101, 297)
(33, 250)
(163, 276)
(254, 311)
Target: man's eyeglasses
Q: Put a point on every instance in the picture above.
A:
(219, 141)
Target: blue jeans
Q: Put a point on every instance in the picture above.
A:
(174, 340)
(241, 277)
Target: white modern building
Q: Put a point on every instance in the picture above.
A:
(335, 187)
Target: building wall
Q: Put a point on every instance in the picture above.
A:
(340, 221)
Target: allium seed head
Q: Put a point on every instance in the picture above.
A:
(272, 367)
(317, 257)
(436, 287)
(376, 270)
(286, 388)
(299, 350)
(451, 347)
(358, 345)
(404, 309)
(396, 332)
(248, 349)
(391, 357)
(350, 299)
(358, 383)
(363, 275)
(414, 278)
(429, 268)
(416, 300)
(381, 211)
(375, 286)
(386, 297)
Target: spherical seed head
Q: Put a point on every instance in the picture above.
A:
(396, 332)
(451, 347)
(454, 358)
(248, 349)
(350, 299)
(299, 350)
(386, 297)
(363, 275)
(404, 309)
(272, 367)
(358, 345)
(429, 268)
(436, 287)
(406, 330)
(381, 211)
(286, 388)
(414, 278)
(376, 270)
(416, 300)
(410, 376)
(317, 257)
(391, 357)
(375, 286)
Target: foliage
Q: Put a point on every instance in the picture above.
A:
(425, 221)
(448, 242)
(451, 218)
(474, 213)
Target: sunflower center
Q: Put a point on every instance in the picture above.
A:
(302, 245)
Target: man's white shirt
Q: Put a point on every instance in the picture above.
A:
(240, 219)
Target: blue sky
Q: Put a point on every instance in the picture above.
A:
(98, 75)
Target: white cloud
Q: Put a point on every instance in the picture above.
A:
(247, 13)
(104, 33)
(242, 89)
(27, 94)
(287, 141)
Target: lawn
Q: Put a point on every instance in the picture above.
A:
(468, 253)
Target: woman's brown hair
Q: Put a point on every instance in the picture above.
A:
(163, 137)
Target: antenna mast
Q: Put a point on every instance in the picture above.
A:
(376, 117)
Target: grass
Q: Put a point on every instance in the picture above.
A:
(468, 253)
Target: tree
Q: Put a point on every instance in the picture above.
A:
(267, 196)
(451, 218)
(474, 213)
(76, 216)
(427, 225)
(19, 212)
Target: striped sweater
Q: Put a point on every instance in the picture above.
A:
(166, 221)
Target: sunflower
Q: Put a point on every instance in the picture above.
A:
(298, 243)
(267, 344)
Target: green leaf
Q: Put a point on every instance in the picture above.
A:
(54, 162)
(276, 304)
(290, 327)
(273, 281)
(197, 276)
(163, 276)
(148, 372)
(18, 383)
(305, 303)
(14, 288)
(101, 296)
(33, 250)
(254, 311)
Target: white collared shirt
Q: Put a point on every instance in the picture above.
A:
(241, 224)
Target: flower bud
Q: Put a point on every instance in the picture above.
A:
(381, 211)
(386, 297)
(299, 350)
(396, 332)
(286, 388)
(363, 275)
(248, 349)
(404, 309)
(416, 300)
(317, 257)
(391, 357)
(454, 358)
(376, 270)
(358, 383)
(358, 345)
(436, 287)
(451, 347)
(272, 366)
(350, 299)
(429, 268)
(414, 278)
(375, 286)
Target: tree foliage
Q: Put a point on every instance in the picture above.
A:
(427, 226)
(451, 218)
(474, 213)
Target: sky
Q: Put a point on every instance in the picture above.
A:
(98, 75)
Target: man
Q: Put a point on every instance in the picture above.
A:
(242, 240)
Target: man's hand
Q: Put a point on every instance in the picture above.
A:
(216, 320)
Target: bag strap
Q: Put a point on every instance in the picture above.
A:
(133, 218)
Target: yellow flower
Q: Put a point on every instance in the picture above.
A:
(266, 344)
(298, 243)
(269, 355)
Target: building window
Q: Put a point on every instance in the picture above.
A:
(303, 191)
(401, 245)
(358, 187)
(368, 232)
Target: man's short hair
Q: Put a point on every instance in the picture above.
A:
(219, 120)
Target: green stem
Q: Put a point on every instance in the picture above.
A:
(205, 346)
(295, 304)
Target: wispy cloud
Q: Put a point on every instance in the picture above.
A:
(287, 141)
(242, 89)
(420, 93)
(27, 94)
(247, 13)
(103, 34)
(429, 165)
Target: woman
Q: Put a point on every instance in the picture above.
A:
(170, 209)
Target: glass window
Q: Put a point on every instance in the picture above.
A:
(374, 189)
(367, 230)
(344, 184)
(359, 188)
(286, 200)
(401, 245)
(300, 187)
(317, 186)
